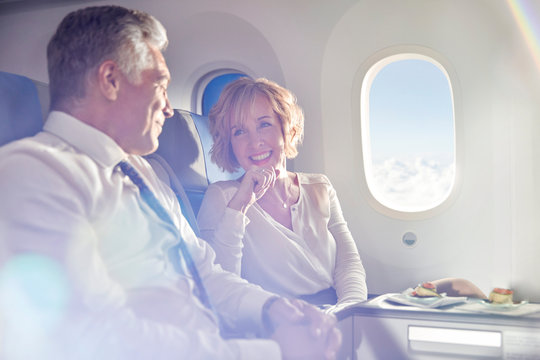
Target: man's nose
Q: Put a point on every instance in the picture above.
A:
(168, 110)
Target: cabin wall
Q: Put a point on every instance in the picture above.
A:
(319, 49)
(486, 232)
(281, 40)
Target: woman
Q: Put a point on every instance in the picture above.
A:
(282, 230)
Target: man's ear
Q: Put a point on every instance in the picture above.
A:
(109, 78)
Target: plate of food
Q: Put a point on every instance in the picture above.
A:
(425, 295)
(502, 299)
(501, 302)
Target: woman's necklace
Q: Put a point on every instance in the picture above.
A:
(284, 202)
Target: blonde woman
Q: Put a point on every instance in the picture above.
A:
(279, 229)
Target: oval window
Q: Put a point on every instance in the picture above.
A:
(213, 90)
(408, 132)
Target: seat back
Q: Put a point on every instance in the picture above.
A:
(185, 145)
(213, 172)
(167, 175)
(21, 112)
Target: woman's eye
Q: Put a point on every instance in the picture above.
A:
(265, 124)
(238, 132)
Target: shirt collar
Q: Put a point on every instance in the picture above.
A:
(87, 139)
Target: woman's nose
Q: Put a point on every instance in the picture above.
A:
(255, 139)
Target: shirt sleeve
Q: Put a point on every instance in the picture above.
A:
(55, 288)
(349, 273)
(223, 228)
(238, 302)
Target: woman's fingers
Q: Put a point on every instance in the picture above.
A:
(255, 182)
(262, 179)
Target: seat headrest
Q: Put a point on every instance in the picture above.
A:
(180, 146)
(213, 172)
(20, 109)
(185, 144)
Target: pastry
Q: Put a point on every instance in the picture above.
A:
(426, 289)
(501, 296)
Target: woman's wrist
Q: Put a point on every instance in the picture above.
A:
(238, 205)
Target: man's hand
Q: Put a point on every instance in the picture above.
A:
(303, 331)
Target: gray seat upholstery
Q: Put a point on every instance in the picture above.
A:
(167, 175)
(185, 145)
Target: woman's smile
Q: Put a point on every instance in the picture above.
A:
(258, 140)
(261, 157)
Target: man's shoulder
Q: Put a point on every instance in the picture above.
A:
(43, 155)
(37, 146)
(27, 142)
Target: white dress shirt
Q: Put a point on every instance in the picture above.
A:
(101, 284)
(319, 251)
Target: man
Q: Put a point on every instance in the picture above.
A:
(91, 265)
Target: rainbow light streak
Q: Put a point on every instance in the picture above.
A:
(523, 14)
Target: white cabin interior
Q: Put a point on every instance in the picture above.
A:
(488, 230)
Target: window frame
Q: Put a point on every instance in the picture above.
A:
(204, 80)
(360, 109)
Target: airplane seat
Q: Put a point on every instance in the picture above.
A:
(167, 175)
(213, 171)
(185, 144)
(20, 108)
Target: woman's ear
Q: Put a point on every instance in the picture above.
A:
(109, 77)
(292, 136)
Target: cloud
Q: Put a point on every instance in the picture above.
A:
(415, 185)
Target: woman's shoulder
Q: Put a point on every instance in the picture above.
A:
(225, 184)
(224, 187)
(218, 193)
(312, 179)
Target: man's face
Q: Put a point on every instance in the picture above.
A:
(143, 108)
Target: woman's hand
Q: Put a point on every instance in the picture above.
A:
(254, 184)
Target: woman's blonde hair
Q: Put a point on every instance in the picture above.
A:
(235, 102)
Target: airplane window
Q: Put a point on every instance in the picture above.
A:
(408, 133)
(213, 90)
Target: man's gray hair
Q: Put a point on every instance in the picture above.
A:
(87, 37)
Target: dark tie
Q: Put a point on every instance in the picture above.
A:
(154, 203)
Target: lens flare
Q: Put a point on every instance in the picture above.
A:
(33, 297)
(523, 13)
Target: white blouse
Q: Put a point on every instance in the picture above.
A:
(318, 253)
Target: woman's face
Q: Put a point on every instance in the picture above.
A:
(258, 140)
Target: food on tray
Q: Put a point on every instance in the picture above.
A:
(426, 289)
(501, 296)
